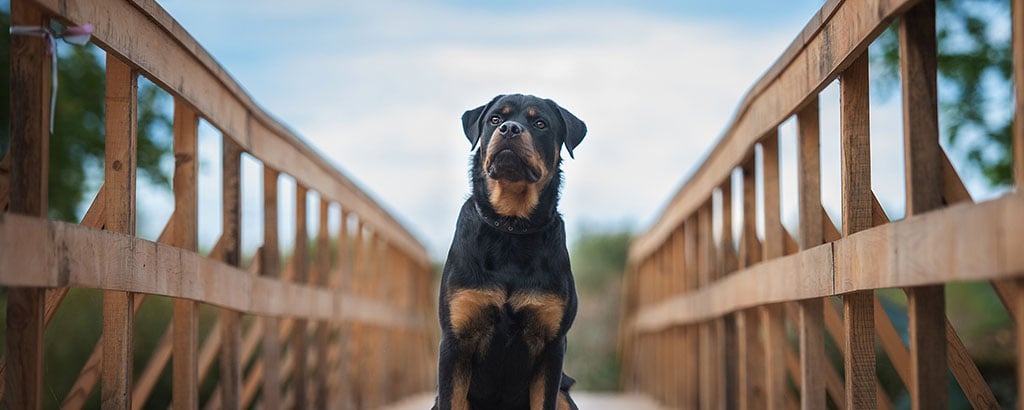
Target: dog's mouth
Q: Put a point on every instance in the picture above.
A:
(507, 165)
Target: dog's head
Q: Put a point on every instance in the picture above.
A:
(520, 138)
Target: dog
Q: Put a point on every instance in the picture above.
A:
(507, 295)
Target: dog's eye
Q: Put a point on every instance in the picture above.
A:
(540, 124)
(495, 120)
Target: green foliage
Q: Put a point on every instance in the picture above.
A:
(974, 64)
(598, 260)
(599, 257)
(77, 143)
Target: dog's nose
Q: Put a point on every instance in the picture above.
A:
(510, 129)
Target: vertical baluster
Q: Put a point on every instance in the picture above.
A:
(231, 328)
(29, 156)
(300, 264)
(858, 309)
(323, 269)
(773, 316)
(186, 319)
(118, 315)
(926, 305)
(271, 268)
(811, 327)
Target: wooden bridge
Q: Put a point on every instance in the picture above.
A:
(709, 320)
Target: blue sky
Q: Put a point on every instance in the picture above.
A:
(655, 81)
(379, 87)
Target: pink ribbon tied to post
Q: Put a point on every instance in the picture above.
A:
(77, 35)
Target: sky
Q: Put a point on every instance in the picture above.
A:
(379, 87)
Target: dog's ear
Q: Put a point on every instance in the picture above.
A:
(472, 121)
(575, 129)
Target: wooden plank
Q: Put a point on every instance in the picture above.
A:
(230, 321)
(807, 275)
(858, 314)
(774, 243)
(270, 264)
(750, 249)
(29, 167)
(221, 100)
(926, 306)
(118, 315)
(813, 362)
(860, 350)
(838, 35)
(300, 263)
(810, 330)
(185, 394)
(774, 233)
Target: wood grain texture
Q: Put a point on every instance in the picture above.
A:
(230, 386)
(923, 158)
(859, 349)
(835, 37)
(29, 153)
(183, 67)
(813, 362)
(118, 314)
(185, 393)
(270, 264)
(299, 337)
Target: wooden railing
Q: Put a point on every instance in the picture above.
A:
(352, 331)
(706, 321)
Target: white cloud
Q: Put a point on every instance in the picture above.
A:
(654, 92)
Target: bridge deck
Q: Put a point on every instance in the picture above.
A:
(585, 400)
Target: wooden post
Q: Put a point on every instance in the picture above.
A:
(300, 263)
(773, 316)
(118, 315)
(923, 155)
(858, 310)
(323, 269)
(271, 267)
(811, 328)
(231, 326)
(709, 346)
(186, 312)
(29, 156)
(692, 352)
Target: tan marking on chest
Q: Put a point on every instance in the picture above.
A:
(466, 305)
(545, 320)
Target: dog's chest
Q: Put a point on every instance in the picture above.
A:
(479, 315)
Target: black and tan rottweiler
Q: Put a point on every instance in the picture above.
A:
(507, 293)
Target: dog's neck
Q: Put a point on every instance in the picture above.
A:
(543, 215)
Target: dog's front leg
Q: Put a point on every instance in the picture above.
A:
(544, 391)
(453, 376)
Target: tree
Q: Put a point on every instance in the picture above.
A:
(77, 141)
(974, 66)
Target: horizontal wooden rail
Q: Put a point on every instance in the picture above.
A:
(836, 35)
(69, 255)
(181, 66)
(823, 281)
(971, 240)
(338, 304)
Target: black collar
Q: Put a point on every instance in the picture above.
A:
(507, 225)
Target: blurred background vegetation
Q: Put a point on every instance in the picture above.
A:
(975, 115)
